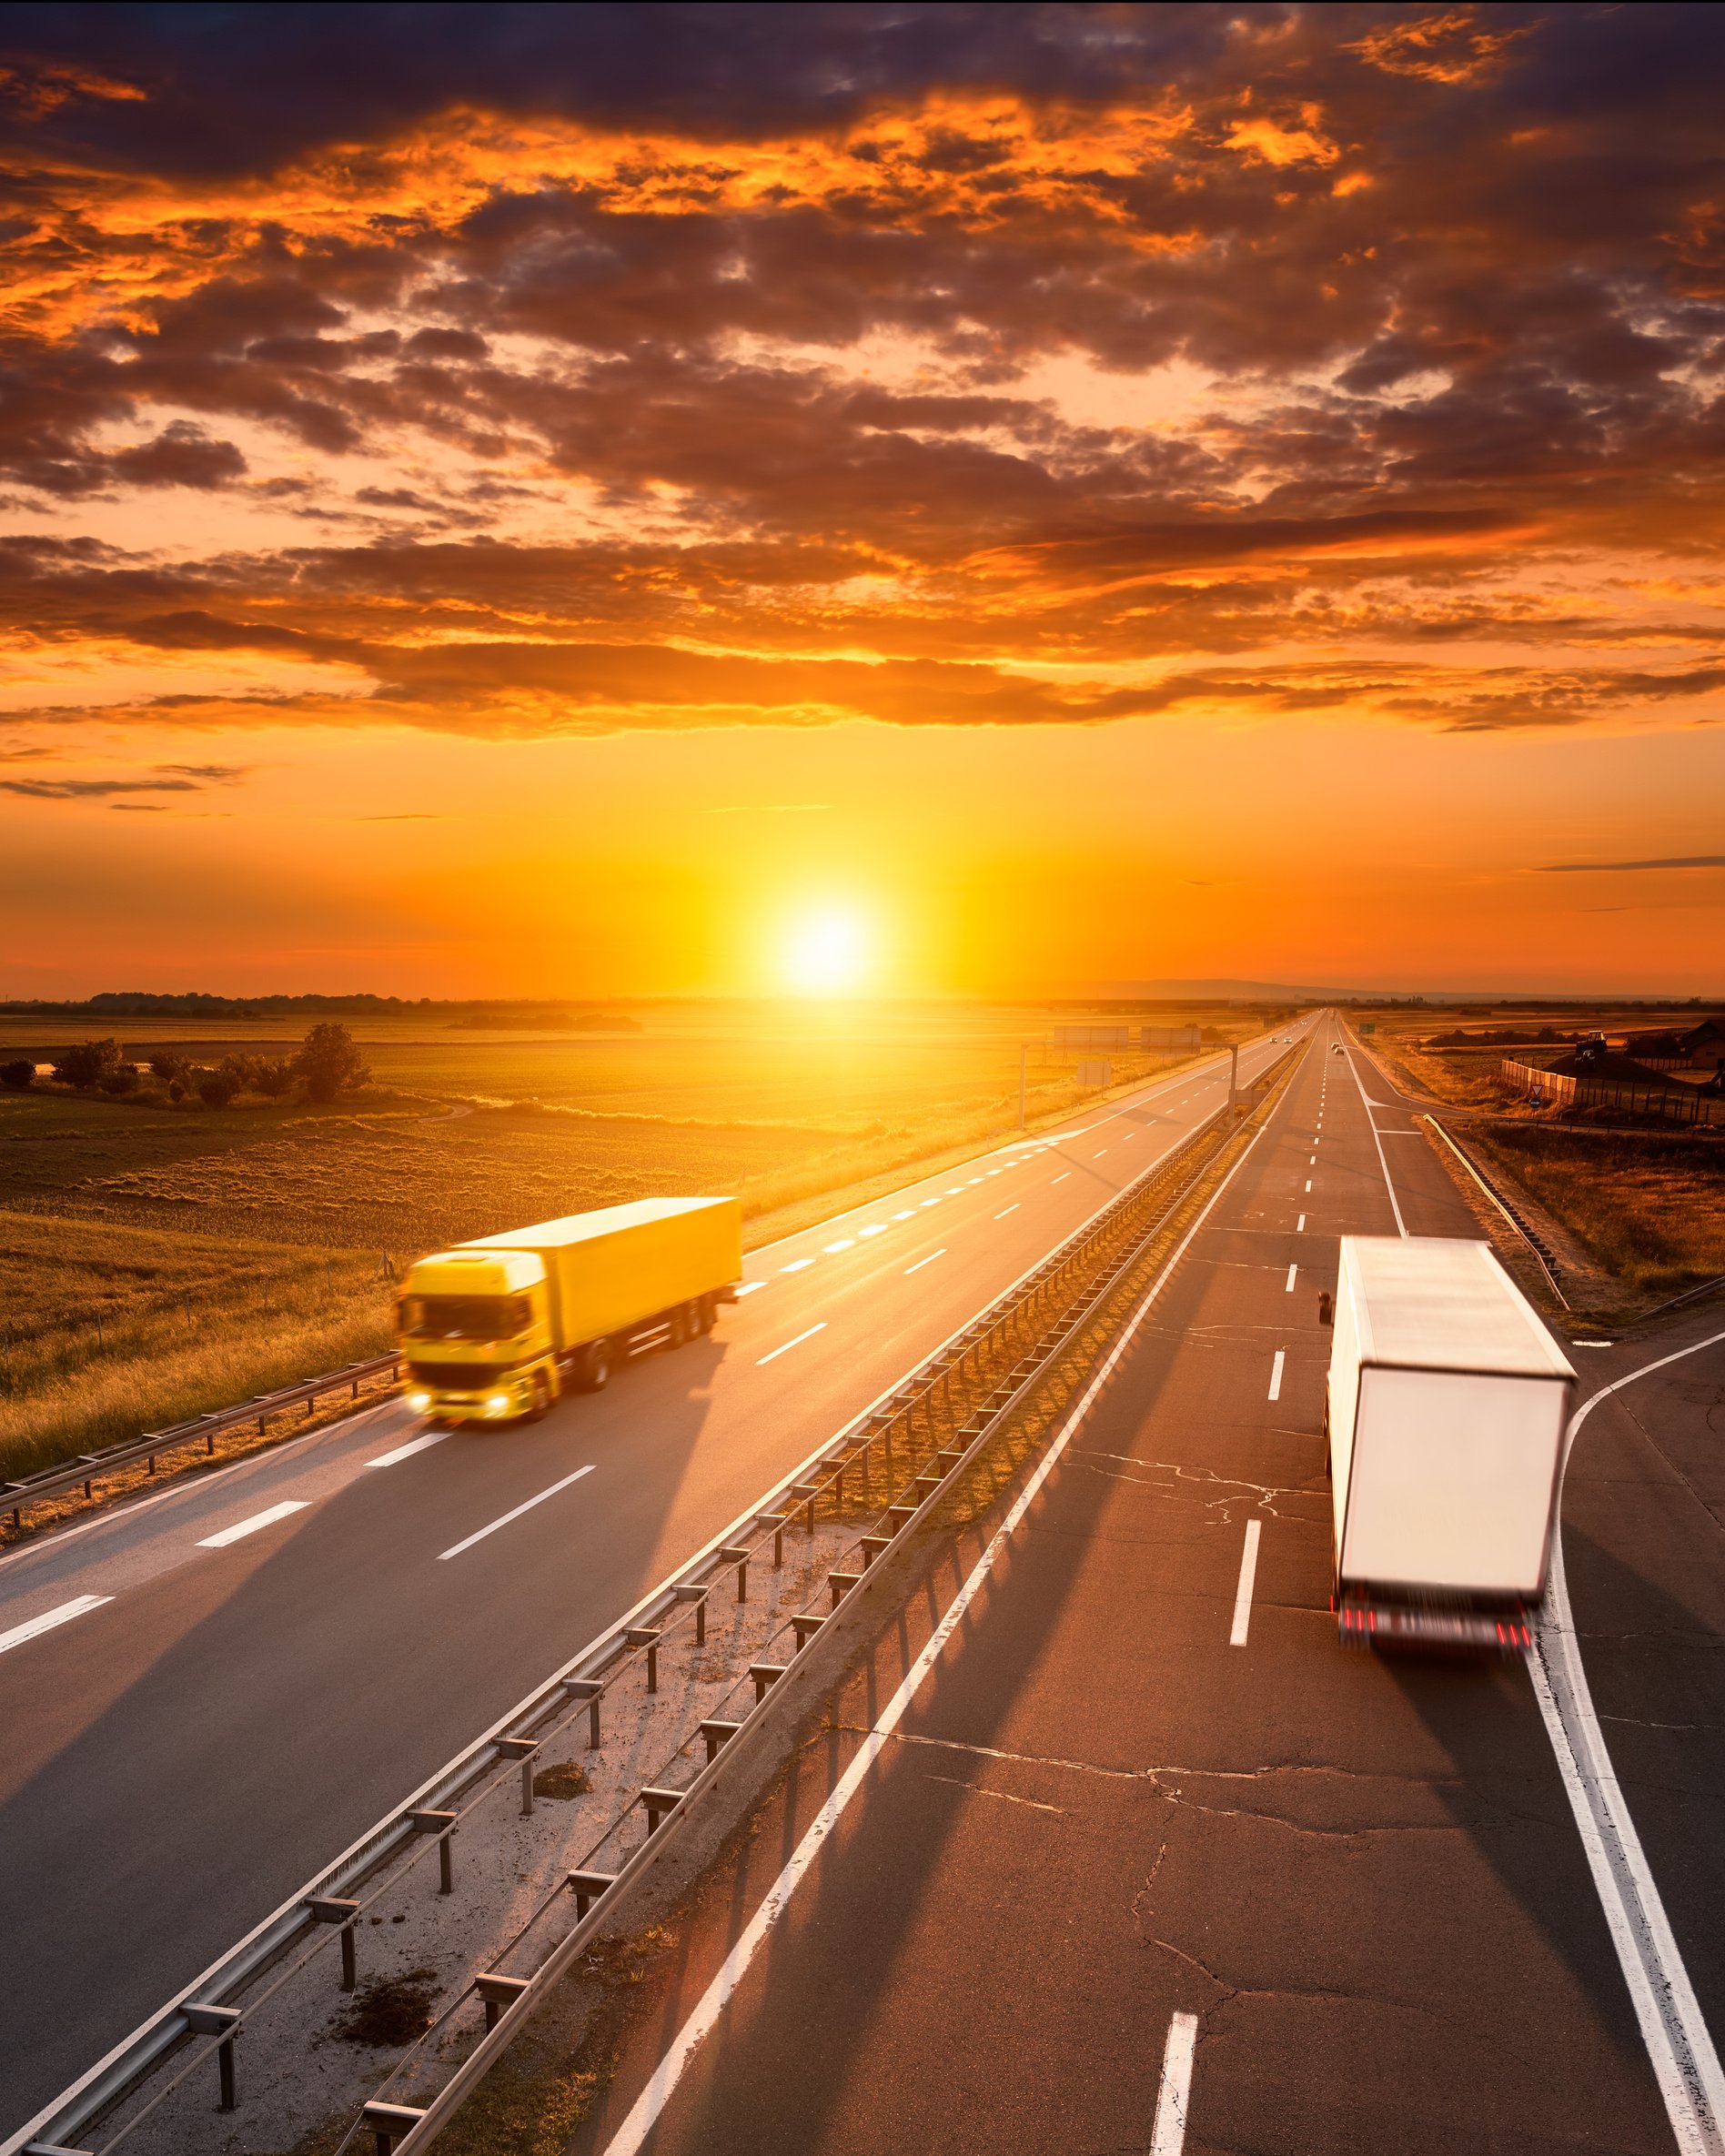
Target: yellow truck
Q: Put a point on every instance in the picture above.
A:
(493, 1330)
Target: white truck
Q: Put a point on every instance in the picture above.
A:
(1448, 1401)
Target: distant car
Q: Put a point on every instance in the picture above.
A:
(1336, 1048)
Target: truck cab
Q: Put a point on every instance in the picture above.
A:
(474, 1327)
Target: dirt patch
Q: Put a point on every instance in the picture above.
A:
(388, 2010)
(562, 1781)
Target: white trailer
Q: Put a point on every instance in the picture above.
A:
(1448, 1405)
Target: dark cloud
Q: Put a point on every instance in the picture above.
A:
(1619, 868)
(1456, 274)
(75, 790)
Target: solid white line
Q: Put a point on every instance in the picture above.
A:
(1401, 1225)
(929, 1260)
(788, 1345)
(1003, 1214)
(1678, 2044)
(456, 1549)
(1291, 1271)
(1243, 1593)
(1172, 2098)
(49, 1619)
(797, 1265)
(1275, 1374)
(257, 1519)
(1299, 1225)
(644, 2113)
(407, 1451)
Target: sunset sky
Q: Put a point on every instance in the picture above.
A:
(554, 501)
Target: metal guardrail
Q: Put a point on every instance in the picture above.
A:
(935, 1389)
(54, 1482)
(1542, 1255)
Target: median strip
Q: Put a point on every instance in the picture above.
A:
(527, 1505)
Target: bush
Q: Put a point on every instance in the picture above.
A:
(19, 1076)
(330, 1063)
(176, 1091)
(86, 1064)
(272, 1077)
(122, 1079)
(216, 1088)
(165, 1063)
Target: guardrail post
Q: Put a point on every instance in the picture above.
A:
(734, 1553)
(221, 2022)
(659, 1802)
(390, 2122)
(805, 1628)
(644, 1636)
(331, 1909)
(592, 1692)
(698, 1595)
(807, 1492)
(872, 1546)
(717, 1734)
(587, 1886)
(499, 1994)
(441, 1824)
(525, 1750)
(841, 1583)
(775, 1520)
(764, 1674)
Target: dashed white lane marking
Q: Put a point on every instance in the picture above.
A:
(258, 1519)
(407, 1451)
(773, 1356)
(1275, 1374)
(491, 1527)
(1308, 1180)
(750, 1287)
(843, 1242)
(797, 1265)
(909, 1214)
(1292, 1271)
(957, 1190)
(929, 1260)
(1299, 1225)
(1060, 1178)
(1000, 1216)
(1098, 1154)
(1243, 1593)
(49, 1618)
(1175, 2094)
(876, 1227)
(1312, 1161)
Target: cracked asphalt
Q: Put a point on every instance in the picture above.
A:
(1362, 1876)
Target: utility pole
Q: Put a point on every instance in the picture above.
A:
(1234, 1076)
(1024, 1053)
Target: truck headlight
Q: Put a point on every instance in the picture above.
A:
(419, 1402)
(498, 1404)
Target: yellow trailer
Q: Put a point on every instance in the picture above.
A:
(493, 1329)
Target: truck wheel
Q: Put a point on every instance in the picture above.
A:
(678, 1329)
(541, 1399)
(706, 1314)
(593, 1372)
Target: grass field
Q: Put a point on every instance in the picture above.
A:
(167, 1223)
(1650, 1209)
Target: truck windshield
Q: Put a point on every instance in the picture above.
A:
(465, 1317)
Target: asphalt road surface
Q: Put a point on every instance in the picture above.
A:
(207, 1695)
(1148, 1860)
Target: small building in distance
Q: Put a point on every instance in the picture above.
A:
(1700, 1048)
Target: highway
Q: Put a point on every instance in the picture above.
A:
(1131, 1854)
(209, 1694)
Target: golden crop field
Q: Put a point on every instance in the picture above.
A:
(166, 1220)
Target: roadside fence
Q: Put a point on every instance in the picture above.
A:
(1686, 1105)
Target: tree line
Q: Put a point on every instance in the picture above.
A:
(327, 1065)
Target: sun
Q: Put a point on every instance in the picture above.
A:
(826, 952)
